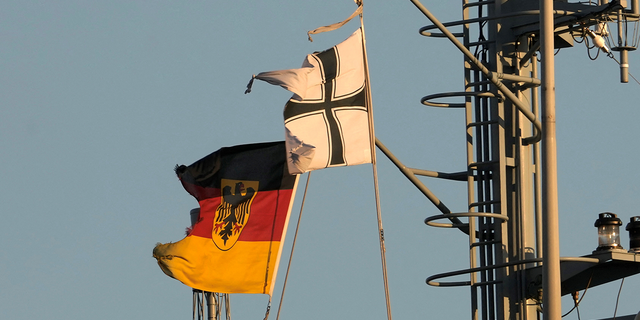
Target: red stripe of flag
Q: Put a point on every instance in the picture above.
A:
(260, 226)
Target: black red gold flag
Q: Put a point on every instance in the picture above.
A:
(245, 194)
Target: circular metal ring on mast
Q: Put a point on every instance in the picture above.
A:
(429, 220)
(430, 280)
(426, 100)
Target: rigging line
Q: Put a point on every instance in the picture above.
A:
(266, 314)
(218, 298)
(198, 307)
(610, 55)
(293, 245)
(227, 304)
(201, 297)
(217, 303)
(213, 305)
(266, 276)
(194, 305)
(618, 299)
(577, 303)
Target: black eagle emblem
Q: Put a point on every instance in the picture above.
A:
(232, 213)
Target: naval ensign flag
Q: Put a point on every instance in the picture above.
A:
(326, 120)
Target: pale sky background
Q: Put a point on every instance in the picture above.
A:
(99, 101)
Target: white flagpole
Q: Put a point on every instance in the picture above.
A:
(374, 166)
(293, 245)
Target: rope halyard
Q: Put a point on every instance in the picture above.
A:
(293, 246)
(576, 302)
(336, 25)
(266, 315)
(615, 311)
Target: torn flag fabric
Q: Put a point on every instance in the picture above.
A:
(326, 120)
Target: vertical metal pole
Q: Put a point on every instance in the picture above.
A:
(624, 66)
(624, 54)
(536, 156)
(550, 243)
(372, 140)
(211, 306)
(620, 30)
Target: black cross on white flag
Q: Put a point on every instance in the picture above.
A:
(326, 120)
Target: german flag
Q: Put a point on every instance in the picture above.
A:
(245, 194)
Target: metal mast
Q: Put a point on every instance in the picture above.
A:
(511, 175)
(550, 229)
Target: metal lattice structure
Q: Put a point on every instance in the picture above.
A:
(504, 222)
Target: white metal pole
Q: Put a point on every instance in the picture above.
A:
(372, 138)
(551, 258)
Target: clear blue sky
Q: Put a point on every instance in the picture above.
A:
(99, 101)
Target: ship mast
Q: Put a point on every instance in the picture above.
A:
(511, 175)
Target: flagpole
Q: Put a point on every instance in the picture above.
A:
(293, 246)
(375, 167)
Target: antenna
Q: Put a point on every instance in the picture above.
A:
(625, 22)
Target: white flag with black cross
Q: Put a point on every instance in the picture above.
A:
(326, 120)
